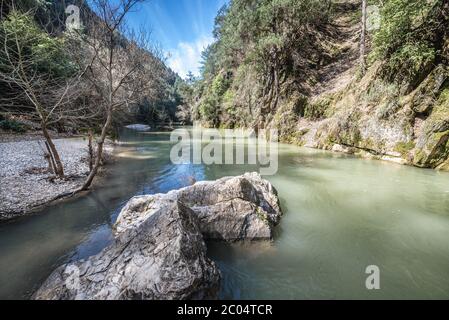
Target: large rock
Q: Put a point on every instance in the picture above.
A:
(232, 209)
(163, 258)
(159, 251)
(432, 145)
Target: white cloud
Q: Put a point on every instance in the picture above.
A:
(187, 56)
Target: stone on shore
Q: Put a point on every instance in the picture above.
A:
(139, 127)
(26, 182)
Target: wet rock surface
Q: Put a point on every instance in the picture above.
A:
(231, 209)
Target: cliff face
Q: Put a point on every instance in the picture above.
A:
(372, 118)
(397, 110)
(401, 120)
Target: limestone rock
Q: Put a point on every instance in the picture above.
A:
(139, 127)
(231, 209)
(163, 258)
(159, 250)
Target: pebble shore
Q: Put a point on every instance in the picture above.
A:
(24, 181)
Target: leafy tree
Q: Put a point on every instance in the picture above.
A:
(273, 40)
(190, 78)
(411, 36)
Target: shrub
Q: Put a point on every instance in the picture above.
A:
(403, 40)
(11, 125)
(46, 53)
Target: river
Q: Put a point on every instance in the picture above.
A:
(341, 215)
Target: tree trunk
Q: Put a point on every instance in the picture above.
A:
(91, 151)
(59, 168)
(99, 155)
(363, 39)
(50, 159)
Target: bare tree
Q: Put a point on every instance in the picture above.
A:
(363, 38)
(117, 62)
(47, 93)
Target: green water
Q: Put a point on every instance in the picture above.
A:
(342, 214)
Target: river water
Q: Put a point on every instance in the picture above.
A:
(342, 214)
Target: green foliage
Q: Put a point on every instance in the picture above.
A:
(210, 105)
(403, 39)
(11, 125)
(265, 40)
(287, 116)
(219, 85)
(404, 148)
(380, 90)
(319, 109)
(26, 41)
(182, 91)
(258, 31)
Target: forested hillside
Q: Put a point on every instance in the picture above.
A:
(296, 66)
(47, 45)
(77, 67)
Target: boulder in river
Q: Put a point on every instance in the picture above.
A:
(231, 209)
(164, 258)
(159, 250)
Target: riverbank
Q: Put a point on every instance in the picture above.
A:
(26, 182)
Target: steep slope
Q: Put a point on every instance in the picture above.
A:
(45, 35)
(315, 93)
(373, 116)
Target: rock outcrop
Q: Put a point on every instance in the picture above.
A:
(394, 113)
(376, 119)
(159, 250)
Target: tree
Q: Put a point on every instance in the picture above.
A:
(118, 62)
(184, 93)
(363, 38)
(411, 37)
(190, 78)
(263, 49)
(36, 65)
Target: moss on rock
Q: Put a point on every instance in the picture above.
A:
(404, 148)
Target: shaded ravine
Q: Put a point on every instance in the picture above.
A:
(341, 215)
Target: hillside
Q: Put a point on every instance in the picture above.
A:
(46, 40)
(297, 69)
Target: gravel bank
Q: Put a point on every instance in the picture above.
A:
(24, 180)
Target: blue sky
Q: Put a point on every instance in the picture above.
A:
(183, 28)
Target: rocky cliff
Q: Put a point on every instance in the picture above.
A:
(386, 113)
(375, 119)
(295, 66)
